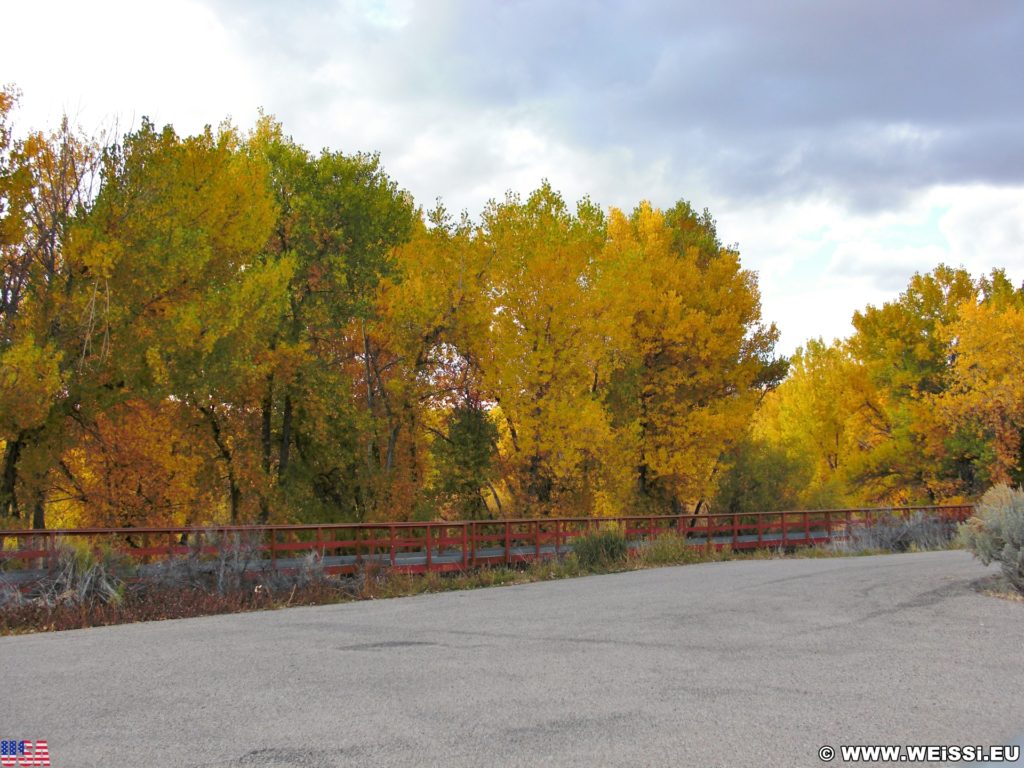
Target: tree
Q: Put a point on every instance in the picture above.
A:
(46, 185)
(543, 358)
(696, 357)
(906, 356)
(816, 418)
(341, 217)
(981, 413)
(171, 245)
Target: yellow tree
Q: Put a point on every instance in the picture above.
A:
(981, 414)
(175, 299)
(544, 354)
(695, 356)
(433, 314)
(45, 186)
(816, 416)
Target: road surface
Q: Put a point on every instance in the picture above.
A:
(752, 663)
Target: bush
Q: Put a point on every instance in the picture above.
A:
(995, 533)
(235, 556)
(597, 551)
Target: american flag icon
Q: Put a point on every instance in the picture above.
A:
(19, 753)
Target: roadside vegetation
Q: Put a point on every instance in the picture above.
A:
(995, 534)
(94, 589)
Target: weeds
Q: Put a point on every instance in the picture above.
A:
(600, 551)
(917, 533)
(227, 576)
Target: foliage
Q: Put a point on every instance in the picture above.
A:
(760, 476)
(229, 327)
(923, 404)
(465, 460)
(995, 533)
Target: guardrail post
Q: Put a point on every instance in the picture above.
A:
(735, 530)
(807, 527)
(508, 543)
(465, 546)
(430, 557)
(273, 549)
(783, 516)
(536, 540)
(760, 529)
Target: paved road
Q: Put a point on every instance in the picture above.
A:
(738, 664)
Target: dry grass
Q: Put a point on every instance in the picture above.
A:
(999, 586)
(184, 590)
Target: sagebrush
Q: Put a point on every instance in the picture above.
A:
(995, 532)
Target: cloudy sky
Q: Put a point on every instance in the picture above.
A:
(842, 145)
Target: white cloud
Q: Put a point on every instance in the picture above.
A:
(118, 60)
(819, 262)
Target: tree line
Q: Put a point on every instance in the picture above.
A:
(228, 327)
(923, 403)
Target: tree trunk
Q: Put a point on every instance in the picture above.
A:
(286, 438)
(234, 492)
(392, 442)
(9, 479)
(39, 511)
(497, 499)
(267, 407)
(371, 447)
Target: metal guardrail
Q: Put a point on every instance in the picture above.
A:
(444, 545)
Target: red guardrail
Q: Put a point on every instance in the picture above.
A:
(451, 546)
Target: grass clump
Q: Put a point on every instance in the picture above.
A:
(600, 551)
(995, 533)
(80, 576)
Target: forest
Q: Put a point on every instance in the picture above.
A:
(229, 327)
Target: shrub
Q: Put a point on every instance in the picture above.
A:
(235, 556)
(597, 551)
(995, 533)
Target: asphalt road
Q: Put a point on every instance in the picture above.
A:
(724, 664)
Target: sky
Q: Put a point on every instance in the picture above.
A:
(842, 146)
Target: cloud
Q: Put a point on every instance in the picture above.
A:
(117, 61)
(863, 102)
(843, 145)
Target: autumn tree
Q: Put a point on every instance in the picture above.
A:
(323, 396)
(542, 361)
(46, 185)
(695, 358)
(979, 418)
(175, 295)
(816, 418)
